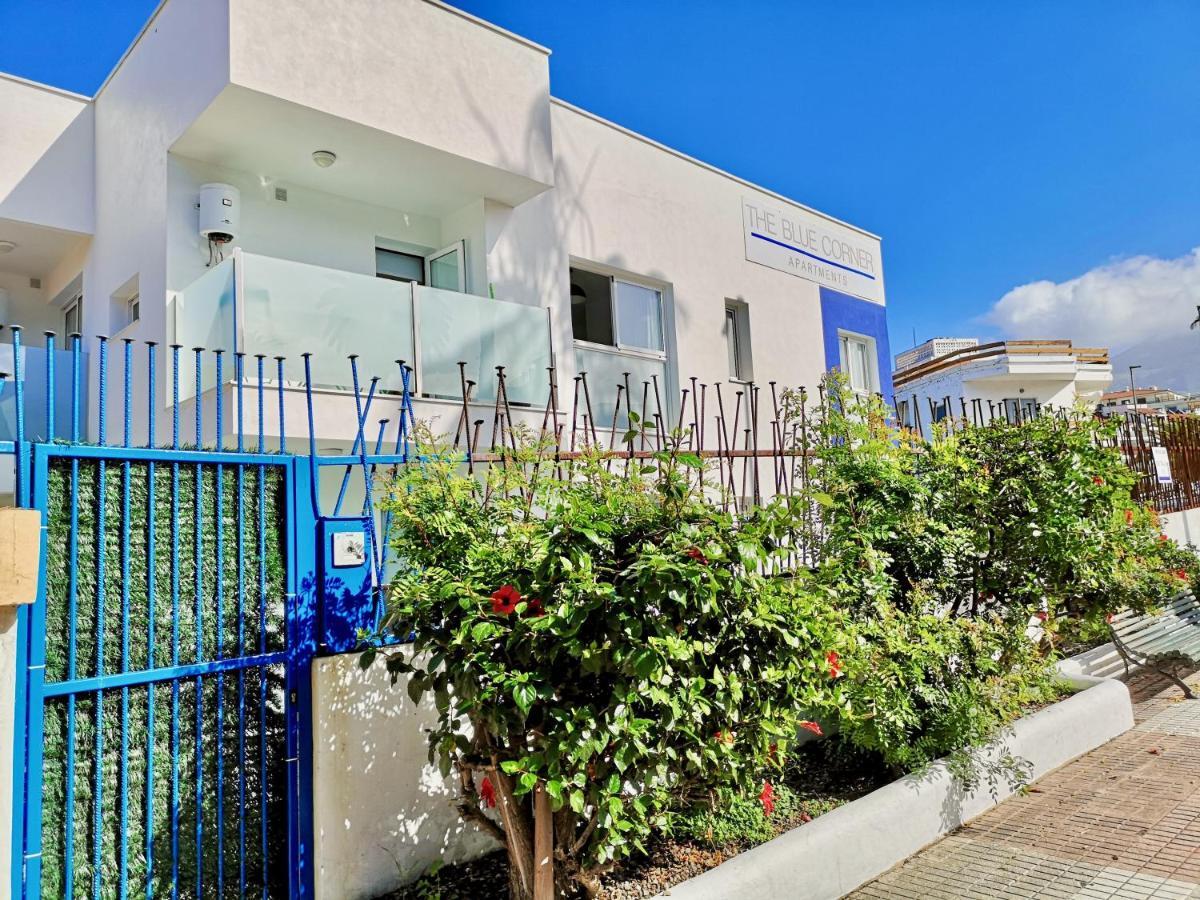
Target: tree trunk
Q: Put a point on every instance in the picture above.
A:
(514, 813)
(543, 845)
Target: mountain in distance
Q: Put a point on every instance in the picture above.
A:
(1166, 362)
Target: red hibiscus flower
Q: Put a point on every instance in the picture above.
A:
(1163, 537)
(698, 555)
(487, 793)
(1096, 479)
(1109, 618)
(767, 798)
(813, 727)
(505, 600)
(1041, 615)
(1182, 574)
(835, 664)
(1129, 517)
(534, 607)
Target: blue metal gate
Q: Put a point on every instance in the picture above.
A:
(164, 704)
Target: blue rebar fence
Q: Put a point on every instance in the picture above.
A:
(197, 554)
(163, 733)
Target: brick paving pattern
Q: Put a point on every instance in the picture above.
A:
(1120, 823)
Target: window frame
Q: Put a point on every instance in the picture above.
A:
(459, 247)
(872, 359)
(616, 345)
(74, 306)
(737, 343)
(418, 258)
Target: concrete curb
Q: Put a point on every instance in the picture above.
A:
(855, 843)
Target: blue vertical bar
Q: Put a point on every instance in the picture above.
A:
(279, 389)
(199, 601)
(301, 636)
(101, 546)
(21, 473)
(241, 677)
(49, 386)
(175, 348)
(72, 617)
(123, 774)
(239, 364)
(262, 671)
(151, 590)
(312, 435)
(261, 397)
(219, 648)
(35, 674)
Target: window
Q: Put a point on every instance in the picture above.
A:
(396, 266)
(737, 340)
(446, 269)
(858, 362)
(617, 313)
(1020, 409)
(73, 316)
(125, 307)
(902, 415)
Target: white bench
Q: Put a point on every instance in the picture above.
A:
(1151, 641)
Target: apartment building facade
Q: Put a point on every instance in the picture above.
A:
(436, 205)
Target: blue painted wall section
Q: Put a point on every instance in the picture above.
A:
(841, 311)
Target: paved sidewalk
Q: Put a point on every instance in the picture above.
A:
(1120, 823)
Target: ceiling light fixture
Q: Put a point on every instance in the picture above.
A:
(324, 158)
(7, 246)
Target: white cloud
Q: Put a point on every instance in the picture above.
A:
(1114, 305)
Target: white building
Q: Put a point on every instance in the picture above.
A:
(1149, 400)
(509, 227)
(931, 349)
(1001, 379)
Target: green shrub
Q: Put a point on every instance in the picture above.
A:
(925, 686)
(607, 639)
(1002, 519)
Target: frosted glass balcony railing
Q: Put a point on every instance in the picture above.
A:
(483, 333)
(33, 371)
(606, 370)
(259, 304)
(289, 308)
(204, 317)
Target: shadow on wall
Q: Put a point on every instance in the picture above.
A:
(382, 813)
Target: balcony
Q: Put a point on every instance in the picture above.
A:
(262, 305)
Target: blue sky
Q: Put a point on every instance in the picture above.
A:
(991, 144)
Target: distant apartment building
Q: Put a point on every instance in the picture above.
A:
(931, 349)
(1152, 400)
(1000, 379)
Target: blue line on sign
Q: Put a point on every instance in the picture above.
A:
(828, 262)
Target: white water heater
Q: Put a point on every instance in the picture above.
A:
(220, 212)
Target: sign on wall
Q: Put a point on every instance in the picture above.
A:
(814, 248)
(1162, 464)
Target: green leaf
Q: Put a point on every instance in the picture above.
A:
(524, 695)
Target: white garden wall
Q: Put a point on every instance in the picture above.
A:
(381, 813)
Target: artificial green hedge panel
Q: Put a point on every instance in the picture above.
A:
(171, 761)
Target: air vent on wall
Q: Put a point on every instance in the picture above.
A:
(35, 283)
(281, 194)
